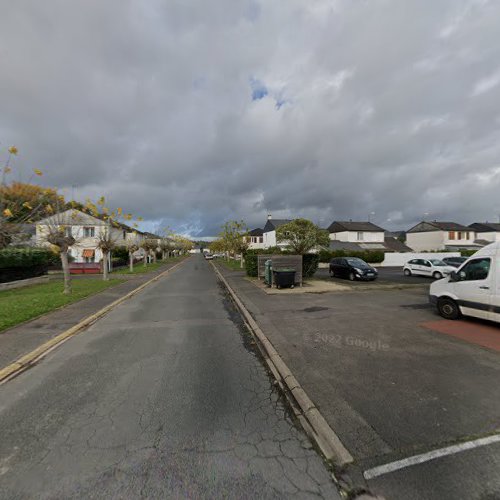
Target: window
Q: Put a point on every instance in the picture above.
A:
(467, 236)
(88, 232)
(477, 269)
(460, 235)
(67, 231)
(451, 235)
(360, 235)
(261, 239)
(124, 234)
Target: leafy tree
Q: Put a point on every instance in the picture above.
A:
(234, 238)
(301, 236)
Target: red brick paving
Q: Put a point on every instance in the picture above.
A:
(473, 332)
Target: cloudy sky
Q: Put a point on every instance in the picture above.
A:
(190, 112)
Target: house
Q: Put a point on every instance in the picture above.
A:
(86, 229)
(366, 235)
(269, 231)
(441, 236)
(486, 232)
(256, 238)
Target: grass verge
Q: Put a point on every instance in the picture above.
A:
(234, 265)
(23, 304)
(140, 268)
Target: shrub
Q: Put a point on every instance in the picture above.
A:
(25, 257)
(120, 253)
(310, 262)
(371, 256)
(467, 253)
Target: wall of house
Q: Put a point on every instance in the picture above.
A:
(270, 239)
(352, 236)
(493, 236)
(431, 240)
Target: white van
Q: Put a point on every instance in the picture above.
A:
(473, 289)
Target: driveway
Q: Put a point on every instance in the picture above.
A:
(165, 397)
(386, 276)
(395, 381)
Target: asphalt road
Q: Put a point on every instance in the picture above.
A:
(386, 275)
(163, 398)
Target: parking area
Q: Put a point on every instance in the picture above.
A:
(386, 276)
(414, 398)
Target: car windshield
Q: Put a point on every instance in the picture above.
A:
(357, 262)
(437, 262)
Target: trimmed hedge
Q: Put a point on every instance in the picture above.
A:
(23, 263)
(370, 256)
(25, 257)
(310, 261)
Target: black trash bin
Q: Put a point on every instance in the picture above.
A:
(284, 277)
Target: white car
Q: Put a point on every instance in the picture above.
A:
(433, 268)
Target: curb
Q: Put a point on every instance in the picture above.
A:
(28, 360)
(309, 416)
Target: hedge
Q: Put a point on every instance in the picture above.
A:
(25, 257)
(371, 256)
(310, 261)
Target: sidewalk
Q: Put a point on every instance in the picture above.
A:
(23, 338)
(387, 386)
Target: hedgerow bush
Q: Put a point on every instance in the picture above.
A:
(371, 256)
(25, 257)
(310, 261)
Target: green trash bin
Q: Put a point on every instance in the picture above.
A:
(284, 277)
(268, 272)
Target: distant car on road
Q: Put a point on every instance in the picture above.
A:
(454, 261)
(352, 268)
(209, 256)
(433, 268)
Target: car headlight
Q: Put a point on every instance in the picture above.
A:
(358, 270)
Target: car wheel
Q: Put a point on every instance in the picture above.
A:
(448, 308)
(437, 275)
(352, 277)
(292, 286)
(407, 272)
(332, 273)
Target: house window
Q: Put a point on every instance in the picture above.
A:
(451, 235)
(467, 236)
(360, 235)
(67, 232)
(124, 234)
(88, 232)
(460, 235)
(261, 239)
(88, 255)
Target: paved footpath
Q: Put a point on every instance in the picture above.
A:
(162, 398)
(392, 387)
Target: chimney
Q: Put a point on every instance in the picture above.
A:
(269, 216)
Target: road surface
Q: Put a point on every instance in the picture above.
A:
(163, 398)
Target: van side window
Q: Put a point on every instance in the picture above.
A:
(477, 269)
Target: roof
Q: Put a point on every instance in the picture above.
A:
(256, 232)
(340, 226)
(485, 227)
(395, 245)
(273, 224)
(426, 226)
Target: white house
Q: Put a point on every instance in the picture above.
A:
(356, 232)
(486, 232)
(256, 239)
(441, 236)
(86, 229)
(269, 232)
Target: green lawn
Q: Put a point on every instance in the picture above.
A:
(234, 265)
(139, 267)
(29, 302)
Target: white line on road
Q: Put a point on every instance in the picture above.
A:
(431, 455)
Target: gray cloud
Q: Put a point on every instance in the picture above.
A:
(190, 113)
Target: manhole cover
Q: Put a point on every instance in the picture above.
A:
(315, 309)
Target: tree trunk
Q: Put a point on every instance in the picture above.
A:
(145, 259)
(163, 255)
(241, 260)
(154, 256)
(67, 277)
(105, 276)
(131, 262)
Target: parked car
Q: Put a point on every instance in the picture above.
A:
(433, 268)
(209, 256)
(454, 261)
(473, 289)
(352, 268)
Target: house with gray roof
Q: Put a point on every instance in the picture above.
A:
(486, 232)
(269, 231)
(438, 235)
(366, 235)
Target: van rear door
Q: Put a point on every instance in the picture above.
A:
(495, 289)
(474, 290)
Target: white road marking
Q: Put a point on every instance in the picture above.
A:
(431, 455)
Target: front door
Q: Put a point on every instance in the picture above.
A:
(474, 288)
